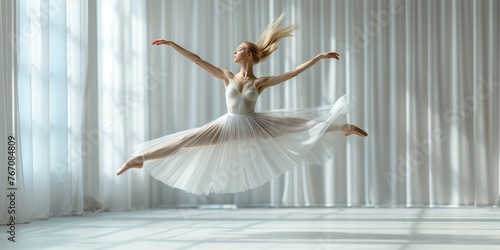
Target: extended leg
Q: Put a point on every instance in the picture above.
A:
(204, 136)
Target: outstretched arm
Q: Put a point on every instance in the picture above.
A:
(268, 81)
(217, 72)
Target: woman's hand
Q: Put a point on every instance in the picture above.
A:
(327, 55)
(161, 41)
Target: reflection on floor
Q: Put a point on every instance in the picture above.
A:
(304, 228)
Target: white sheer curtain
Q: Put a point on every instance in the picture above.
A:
(123, 96)
(51, 51)
(9, 187)
(424, 75)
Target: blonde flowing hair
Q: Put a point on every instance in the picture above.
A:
(268, 41)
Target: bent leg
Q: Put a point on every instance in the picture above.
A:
(297, 124)
(211, 134)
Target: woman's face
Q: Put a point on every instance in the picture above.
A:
(241, 54)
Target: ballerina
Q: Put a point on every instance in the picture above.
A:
(245, 149)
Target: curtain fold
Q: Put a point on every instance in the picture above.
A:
(12, 203)
(122, 95)
(422, 76)
(51, 41)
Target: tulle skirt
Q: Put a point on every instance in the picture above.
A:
(234, 153)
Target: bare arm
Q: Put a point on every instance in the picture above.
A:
(268, 81)
(217, 72)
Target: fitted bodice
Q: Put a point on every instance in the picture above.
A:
(241, 102)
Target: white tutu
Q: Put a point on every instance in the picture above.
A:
(244, 149)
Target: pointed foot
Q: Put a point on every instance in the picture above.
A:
(136, 162)
(354, 130)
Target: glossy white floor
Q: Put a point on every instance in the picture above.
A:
(305, 228)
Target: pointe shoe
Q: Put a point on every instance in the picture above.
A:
(354, 130)
(132, 163)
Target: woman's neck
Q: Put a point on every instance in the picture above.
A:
(246, 71)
